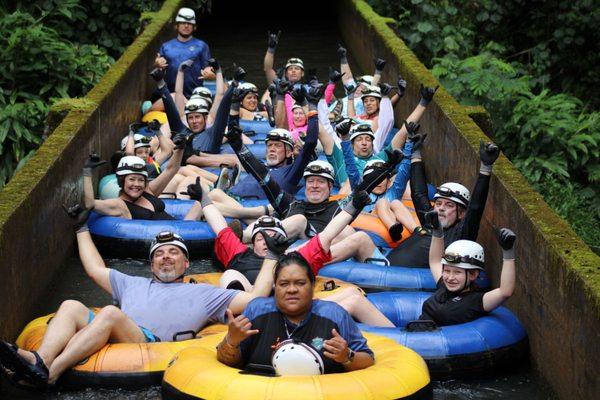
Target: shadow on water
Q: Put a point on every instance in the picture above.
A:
(239, 35)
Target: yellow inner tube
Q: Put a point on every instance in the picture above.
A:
(195, 373)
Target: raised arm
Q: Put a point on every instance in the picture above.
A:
(418, 181)
(157, 185)
(262, 287)
(426, 97)
(105, 207)
(379, 65)
(494, 298)
(385, 122)
(436, 250)
(344, 65)
(173, 115)
(180, 99)
(165, 145)
(221, 88)
(273, 41)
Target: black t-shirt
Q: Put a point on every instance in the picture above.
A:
(318, 215)
(448, 308)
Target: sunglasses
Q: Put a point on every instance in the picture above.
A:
(454, 258)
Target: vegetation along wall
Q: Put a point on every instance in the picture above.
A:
(557, 296)
(35, 234)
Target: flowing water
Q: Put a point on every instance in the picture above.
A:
(239, 35)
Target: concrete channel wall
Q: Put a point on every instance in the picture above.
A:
(557, 296)
(35, 235)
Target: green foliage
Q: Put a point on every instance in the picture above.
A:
(38, 66)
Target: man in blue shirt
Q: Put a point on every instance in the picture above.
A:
(185, 47)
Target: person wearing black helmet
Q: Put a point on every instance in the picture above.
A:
(150, 309)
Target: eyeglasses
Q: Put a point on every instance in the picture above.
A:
(455, 258)
(445, 192)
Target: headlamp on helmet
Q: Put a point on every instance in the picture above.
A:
(454, 192)
(196, 105)
(319, 168)
(371, 91)
(464, 254)
(281, 135)
(131, 165)
(186, 15)
(268, 223)
(361, 129)
(294, 61)
(167, 237)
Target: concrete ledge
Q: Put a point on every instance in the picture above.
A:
(558, 289)
(35, 236)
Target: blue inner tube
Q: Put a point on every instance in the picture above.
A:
(261, 128)
(377, 277)
(132, 238)
(488, 344)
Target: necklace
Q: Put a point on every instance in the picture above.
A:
(287, 330)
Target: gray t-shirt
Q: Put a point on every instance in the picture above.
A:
(169, 308)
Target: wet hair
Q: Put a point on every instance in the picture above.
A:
(294, 258)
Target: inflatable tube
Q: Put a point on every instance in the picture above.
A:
(259, 127)
(108, 187)
(158, 115)
(398, 373)
(120, 365)
(258, 149)
(324, 287)
(380, 277)
(131, 238)
(474, 349)
(211, 85)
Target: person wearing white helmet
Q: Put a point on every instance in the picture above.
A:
(250, 108)
(253, 337)
(460, 211)
(458, 299)
(182, 48)
(138, 197)
(151, 309)
(293, 69)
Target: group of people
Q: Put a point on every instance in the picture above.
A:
(284, 243)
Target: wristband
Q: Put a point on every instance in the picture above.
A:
(485, 169)
(87, 171)
(350, 358)
(508, 254)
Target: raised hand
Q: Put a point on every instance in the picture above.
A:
(194, 190)
(385, 88)
(342, 52)
(336, 348)
(239, 328)
(432, 219)
(401, 86)
(234, 135)
(298, 93)
(394, 157)
(426, 95)
(239, 73)
(186, 64)
(411, 128)
(282, 86)
(276, 245)
(93, 161)
(360, 199)
(179, 140)
(214, 64)
(379, 64)
(78, 215)
(506, 239)
(335, 75)
(343, 127)
(160, 62)
(314, 93)
(273, 40)
(154, 125)
(488, 153)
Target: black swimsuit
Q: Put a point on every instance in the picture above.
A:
(139, 212)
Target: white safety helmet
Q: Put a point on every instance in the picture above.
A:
(268, 223)
(131, 165)
(319, 168)
(196, 105)
(165, 238)
(248, 86)
(186, 15)
(203, 92)
(366, 79)
(361, 129)
(454, 192)
(294, 61)
(296, 358)
(371, 165)
(371, 91)
(141, 141)
(464, 254)
(282, 135)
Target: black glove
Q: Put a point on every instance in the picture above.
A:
(385, 88)
(360, 199)
(273, 40)
(379, 64)
(214, 64)
(234, 136)
(395, 157)
(179, 140)
(335, 75)
(154, 125)
(276, 245)
(298, 93)
(343, 127)
(401, 86)
(93, 161)
(433, 221)
(158, 75)
(395, 231)
(411, 128)
(488, 153)
(194, 190)
(239, 73)
(238, 95)
(506, 239)
(79, 217)
(342, 52)
(282, 86)
(426, 94)
(314, 93)
(417, 139)
(270, 113)
(350, 89)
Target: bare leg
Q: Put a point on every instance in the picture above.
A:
(231, 208)
(384, 212)
(403, 215)
(358, 245)
(173, 184)
(110, 324)
(348, 231)
(183, 184)
(192, 170)
(357, 305)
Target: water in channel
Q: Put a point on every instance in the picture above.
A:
(239, 35)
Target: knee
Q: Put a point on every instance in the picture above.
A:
(352, 300)
(72, 306)
(111, 315)
(383, 202)
(216, 194)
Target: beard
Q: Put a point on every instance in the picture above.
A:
(167, 276)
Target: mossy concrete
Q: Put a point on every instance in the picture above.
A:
(557, 296)
(35, 234)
